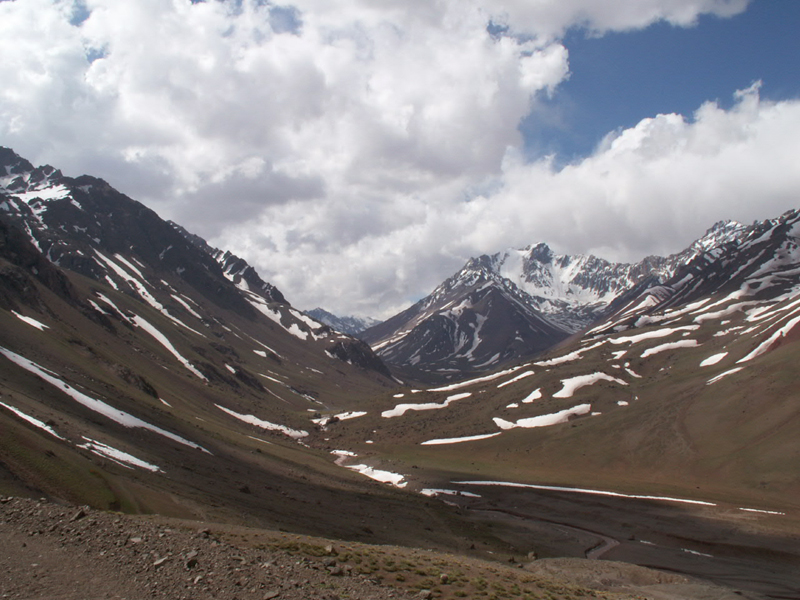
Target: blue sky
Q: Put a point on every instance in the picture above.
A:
(358, 153)
(622, 77)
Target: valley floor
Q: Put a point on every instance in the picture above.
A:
(750, 553)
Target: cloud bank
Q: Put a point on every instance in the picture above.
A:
(356, 152)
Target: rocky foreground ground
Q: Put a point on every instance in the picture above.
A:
(59, 552)
(53, 551)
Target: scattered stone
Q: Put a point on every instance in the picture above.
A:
(444, 578)
(160, 561)
(271, 594)
(425, 595)
(78, 516)
(329, 549)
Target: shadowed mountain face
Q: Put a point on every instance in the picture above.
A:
(154, 372)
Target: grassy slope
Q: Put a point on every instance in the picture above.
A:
(737, 439)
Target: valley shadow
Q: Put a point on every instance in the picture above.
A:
(744, 552)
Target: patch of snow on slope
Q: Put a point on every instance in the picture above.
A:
(185, 305)
(253, 420)
(162, 339)
(631, 372)
(32, 420)
(554, 488)
(401, 409)
(456, 386)
(55, 192)
(261, 305)
(517, 378)
(353, 414)
(31, 321)
(534, 395)
(98, 406)
(556, 418)
(670, 346)
(766, 512)
(767, 344)
(725, 312)
(649, 335)
(118, 456)
(573, 384)
(725, 374)
(142, 291)
(459, 440)
(714, 359)
(433, 492)
(111, 304)
(559, 360)
(395, 479)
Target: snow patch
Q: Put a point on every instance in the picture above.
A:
(517, 378)
(714, 359)
(395, 479)
(117, 456)
(253, 420)
(459, 440)
(162, 339)
(32, 420)
(573, 384)
(553, 488)
(670, 346)
(556, 418)
(401, 409)
(31, 321)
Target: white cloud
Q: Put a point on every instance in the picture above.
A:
(358, 152)
(653, 188)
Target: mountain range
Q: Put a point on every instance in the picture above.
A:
(349, 324)
(518, 303)
(641, 413)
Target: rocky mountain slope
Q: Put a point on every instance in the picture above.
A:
(143, 370)
(530, 299)
(475, 320)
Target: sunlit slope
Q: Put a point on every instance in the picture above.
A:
(691, 389)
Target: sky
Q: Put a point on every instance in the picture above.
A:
(359, 152)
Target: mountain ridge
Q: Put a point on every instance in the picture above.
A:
(568, 293)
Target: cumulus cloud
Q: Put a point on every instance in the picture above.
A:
(358, 152)
(650, 189)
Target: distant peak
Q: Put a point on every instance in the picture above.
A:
(725, 225)
(540, 252)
